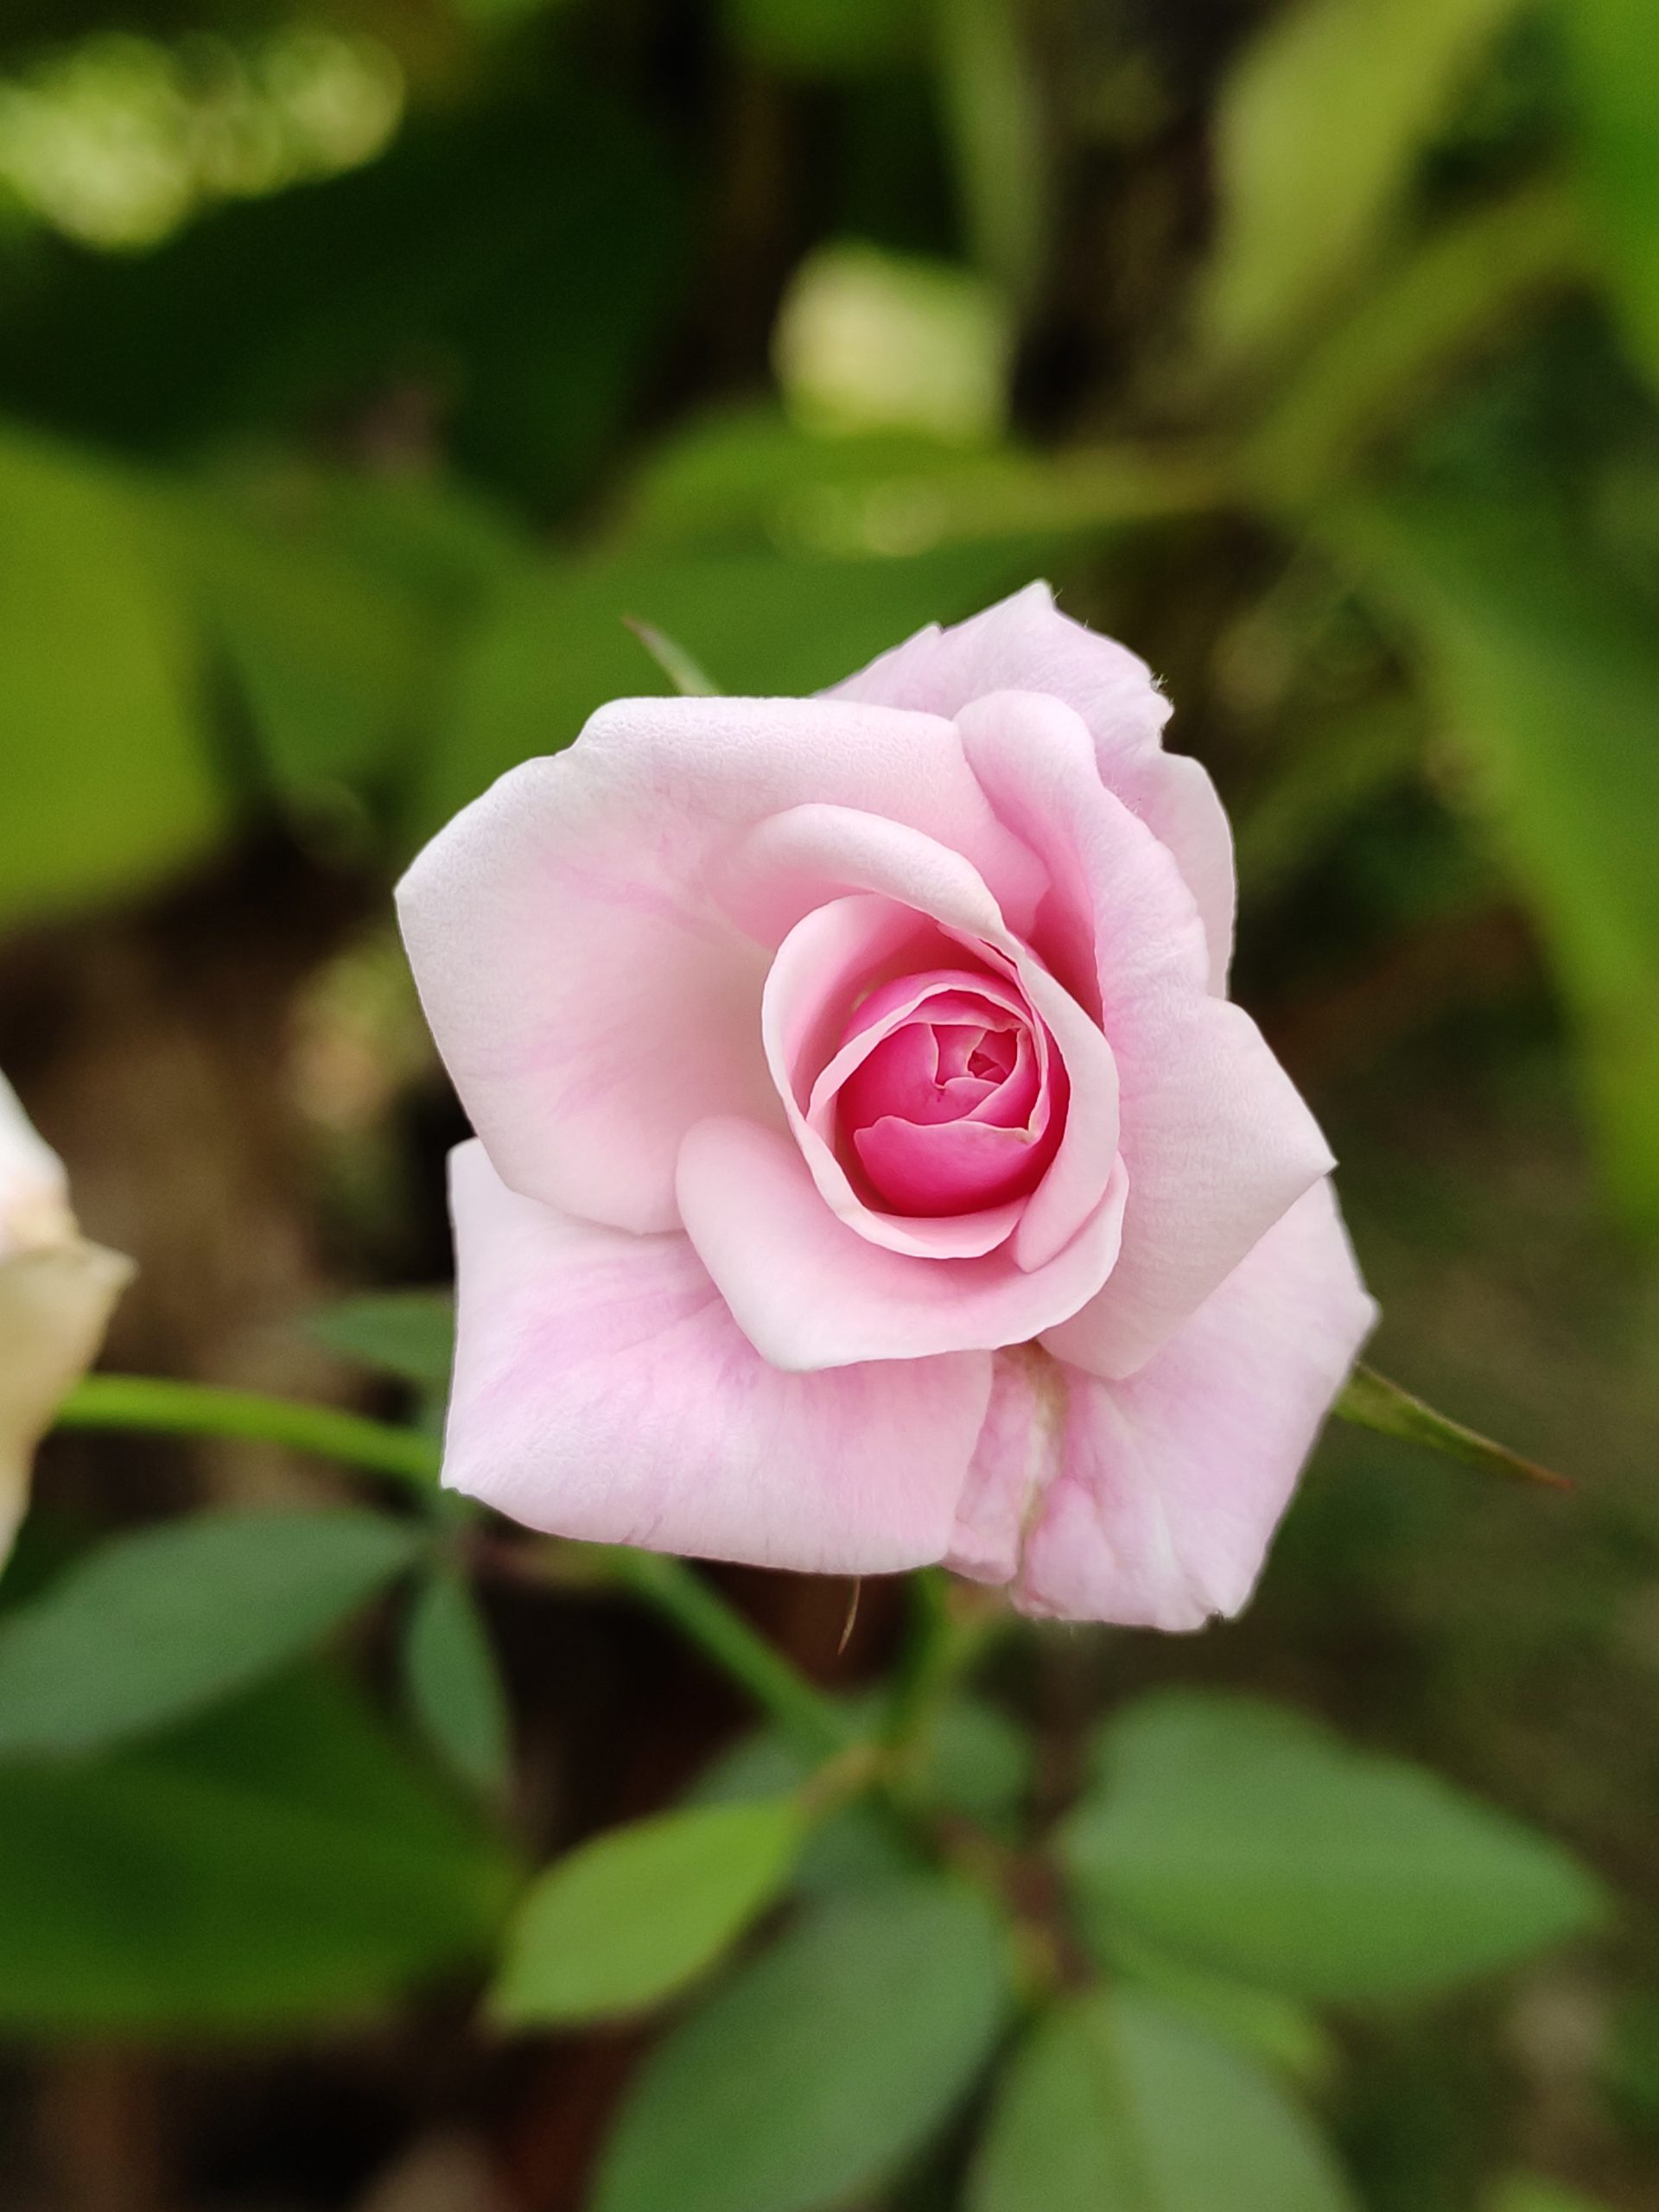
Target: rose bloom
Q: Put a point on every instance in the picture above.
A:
(871, 1169)
(56, 1292)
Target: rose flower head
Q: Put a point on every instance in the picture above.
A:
(56, 1292)
(871, 1169)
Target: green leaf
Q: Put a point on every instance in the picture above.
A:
(334, 665)
(1001, 137)
(1278, 2031)
(556, 645)
(1613, 55)
(852, 1848)
(1319, 129)
(977, 1761)
(456, 1690)
(109, 782)
(154, 1626)
(279, 1861)
(1421, 320)
(828, 38)
(631, 1917)
(808, 2077)
(1549, 682)
(1525, 2193)
(1371, 1401)
(1247, 1840)
(408, 1333)
(1116, 2104)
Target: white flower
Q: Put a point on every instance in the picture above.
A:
(56, 1294)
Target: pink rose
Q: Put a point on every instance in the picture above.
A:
(871, 1169)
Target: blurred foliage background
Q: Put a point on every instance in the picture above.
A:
(365, 369)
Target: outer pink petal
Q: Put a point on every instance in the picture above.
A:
(1024, 644)
(1152, 1501)
(1217, 1139)
(590, 998)
(809, 1291)
(602, 1391)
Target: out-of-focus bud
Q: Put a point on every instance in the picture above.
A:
(56, 1294)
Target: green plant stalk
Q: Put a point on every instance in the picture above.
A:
(696, 1608)
(159, 1407)
(170, 1408)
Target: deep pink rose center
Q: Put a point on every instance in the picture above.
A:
(949, 1096)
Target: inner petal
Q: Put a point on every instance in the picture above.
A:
(939, 1101)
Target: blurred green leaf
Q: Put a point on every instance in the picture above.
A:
(806, 2079)
(1613, 52)
(1001, 136)
(1245, 1837)
(154, 1626)
(1318, 131)
(852, 1848)
(1550, 683)
(456, 1689)
(335, 666)
(408, 1333)
(109, 783)
(279, 1861)
(1276, 2030)
(978, 1761)
(1525, 2193)
(828, 38)
(1333, 773)
(1371, 370)
(629, 1918)
(557, 645)
(1371, 1401)
(493, 280)
(1115, 2104)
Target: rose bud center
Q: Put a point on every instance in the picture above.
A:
(949, 1094)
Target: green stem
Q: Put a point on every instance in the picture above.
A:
(696, 1608)
(148, 1402)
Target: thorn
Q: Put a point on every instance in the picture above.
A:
(852, 1616)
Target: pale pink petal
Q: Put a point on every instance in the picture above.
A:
(1015, 1455)
(1217, 1139)
(1152, 1501)
(590, 998)
(804, 859)
(809, 1291)
(602, 1391)
(1024, 644)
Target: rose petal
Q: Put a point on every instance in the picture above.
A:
(1218, 1141)
(814, 852)
(590, 998)
(946, 1167)
(602, 1391)
(34, 1208)
(1024, 644)
(1152, 1501)
(55, 1302)
(809, 1291)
